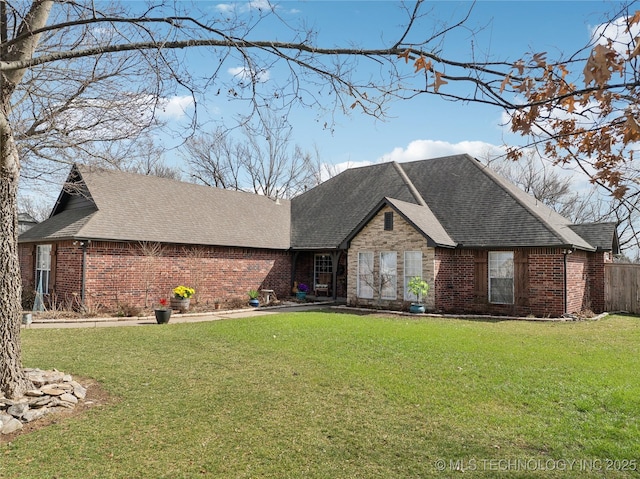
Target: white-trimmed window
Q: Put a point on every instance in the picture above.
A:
(43, 267)
(501, 277)
(365, 275)
(388, 275)
(412, 268)
(322, 268)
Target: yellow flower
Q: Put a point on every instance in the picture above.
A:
(183, 292)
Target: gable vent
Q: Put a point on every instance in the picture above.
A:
(388, 221)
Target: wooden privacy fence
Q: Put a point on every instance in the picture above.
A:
(622, 287)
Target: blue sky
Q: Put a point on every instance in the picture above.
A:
(428, 126)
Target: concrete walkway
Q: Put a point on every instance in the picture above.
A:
(175, 318)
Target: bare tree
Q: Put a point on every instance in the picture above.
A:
(151, 252)
(147, 158)
(35, 206)
(261, 159)
(215, 159)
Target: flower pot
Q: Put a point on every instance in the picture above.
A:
(162, 315)
(301, 295)
(416, 308)
(180, 304)
(254, 303)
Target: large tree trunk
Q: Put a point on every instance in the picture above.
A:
(12, 380)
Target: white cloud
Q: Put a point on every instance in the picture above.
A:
(424, 149)
(244, 7)
(260, 5)
(175, 107)
(618, 32)
(420, 150)
(224, 7)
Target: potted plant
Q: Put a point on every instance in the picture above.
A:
(303, 289)
(27, 318)
(253, 298)
(163, 314)
(181, 298)
(419, 288)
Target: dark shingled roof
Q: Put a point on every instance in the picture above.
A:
(602, 236)
(476, 207)
(454, 201)
(130, 207)
(324, 216)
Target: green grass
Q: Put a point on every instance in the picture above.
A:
(326, 395)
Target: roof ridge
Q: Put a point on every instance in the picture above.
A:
(414, 191)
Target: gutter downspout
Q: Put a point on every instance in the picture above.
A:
(565, 299)
(83, 280)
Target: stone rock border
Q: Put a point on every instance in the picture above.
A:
(53, 391)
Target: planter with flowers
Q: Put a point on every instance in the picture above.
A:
(301, 294)
(163, 314)
(182, 298)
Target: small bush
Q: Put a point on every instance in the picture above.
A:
(128, 311)
(28, 298)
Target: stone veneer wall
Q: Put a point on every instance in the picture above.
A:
(403, 237)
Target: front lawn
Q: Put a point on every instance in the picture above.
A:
(327, 395)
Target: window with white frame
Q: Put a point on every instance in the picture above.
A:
(388, 275)
(43, 267)
(412, 268)
(501, 277)
(365, 275)
(322, 268)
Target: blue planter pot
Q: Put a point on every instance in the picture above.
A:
(416, 308)
(254, 303)
(301, 295)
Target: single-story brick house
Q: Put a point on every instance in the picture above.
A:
(482, 244)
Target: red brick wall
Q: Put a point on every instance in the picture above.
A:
(545, 295)
(596, 279)
(454, 281)
(26, 255)
(67, 274)
(546, 282)
(578, 281)
(120, 273)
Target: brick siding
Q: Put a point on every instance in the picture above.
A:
(120, 273)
